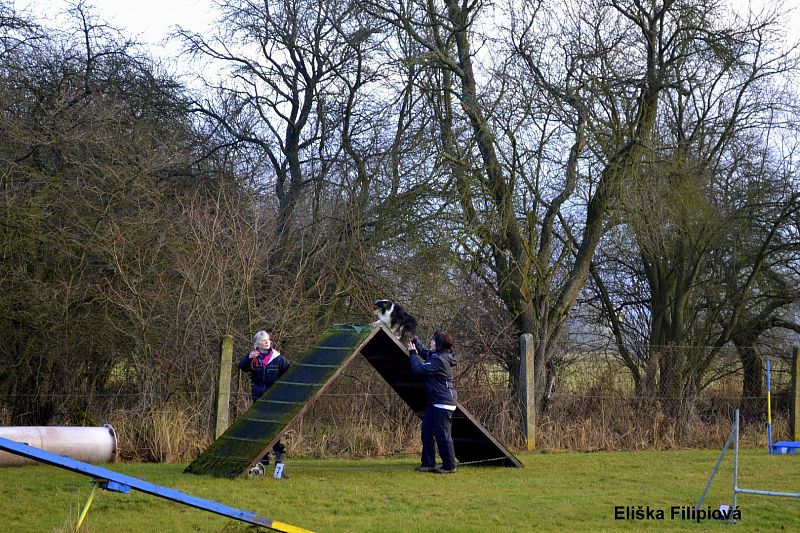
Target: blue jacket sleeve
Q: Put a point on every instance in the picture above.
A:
(421, 350)
(244, 363)
(422, 368)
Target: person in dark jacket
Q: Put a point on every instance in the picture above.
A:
(436, 369)
(265, 365)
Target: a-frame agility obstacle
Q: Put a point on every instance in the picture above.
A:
(259, 428)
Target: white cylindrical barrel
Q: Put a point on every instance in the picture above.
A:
(87, 444)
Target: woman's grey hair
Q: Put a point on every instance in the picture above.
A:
(257, 337)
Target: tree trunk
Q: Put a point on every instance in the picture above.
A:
(752, 408)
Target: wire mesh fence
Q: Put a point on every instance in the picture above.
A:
(593, 399)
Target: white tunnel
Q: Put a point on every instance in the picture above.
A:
(87, 444)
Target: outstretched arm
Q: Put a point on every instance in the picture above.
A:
(421, 350)
(420, 367)
(244, 362)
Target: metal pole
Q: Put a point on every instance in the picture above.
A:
(769, 409)
(86, 507)
(769, 493)
(714, 470)
(794, 413)
(735, 460)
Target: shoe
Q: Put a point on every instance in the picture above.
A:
(425, 469)
(443, 471)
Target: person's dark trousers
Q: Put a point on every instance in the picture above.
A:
(436, 433)
(280, 451)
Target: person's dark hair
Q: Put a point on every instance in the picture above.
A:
(443, 340)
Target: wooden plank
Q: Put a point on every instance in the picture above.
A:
(223, 397)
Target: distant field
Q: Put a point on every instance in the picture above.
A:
(554, 492)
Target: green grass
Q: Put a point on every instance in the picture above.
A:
(554, 492)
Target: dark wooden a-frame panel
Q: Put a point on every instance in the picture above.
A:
(259, 428)
(472, 443)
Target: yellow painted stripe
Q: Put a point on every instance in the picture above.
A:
(769, 409)
(288, 528)
(86, 507)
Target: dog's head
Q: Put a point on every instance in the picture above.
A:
(381, 307)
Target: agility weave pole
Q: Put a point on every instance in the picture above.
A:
(734, 436)
(115, 482)
(769, 409)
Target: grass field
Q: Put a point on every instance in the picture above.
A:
(554, 492)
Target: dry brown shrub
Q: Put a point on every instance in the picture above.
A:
(169, 433)
(614, 422)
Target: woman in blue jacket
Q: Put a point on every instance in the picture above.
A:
(265, 365)
(436, 369)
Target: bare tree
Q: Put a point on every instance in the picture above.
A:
(296, 69)
(93, 132)
(560, 116)
(704, 227)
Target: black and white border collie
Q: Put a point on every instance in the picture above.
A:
(392, 315)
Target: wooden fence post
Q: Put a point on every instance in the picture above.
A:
(224, 384)
(794, 410)
(526, 390)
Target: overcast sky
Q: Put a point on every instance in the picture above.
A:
(150, 21)
(147, 21)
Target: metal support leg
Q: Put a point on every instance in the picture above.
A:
(716, 467)
(86, 507)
